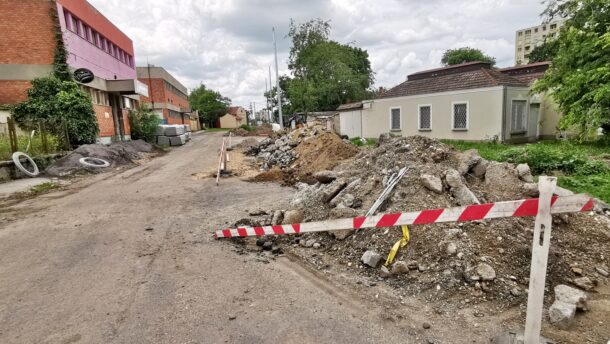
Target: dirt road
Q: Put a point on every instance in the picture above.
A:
(79, 266)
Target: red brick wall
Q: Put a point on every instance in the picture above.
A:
(13, 91)
(27, 32)
(156, 89)
(106, 124)
(176, 100)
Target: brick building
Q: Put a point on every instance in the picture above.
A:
(27, 48)
(167, 96)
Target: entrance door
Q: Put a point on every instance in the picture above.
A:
(117, 116)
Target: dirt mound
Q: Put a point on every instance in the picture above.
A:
(247, 143)
(117, 154)
(323, 152)
(261, 130)
(302, 152)
(273, 175)
(445, 260)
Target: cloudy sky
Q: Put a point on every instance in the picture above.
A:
(227, 44)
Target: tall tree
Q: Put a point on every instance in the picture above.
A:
(210, 104)
(326, 73)
(579, 76)
(544, 52)
(465, 54)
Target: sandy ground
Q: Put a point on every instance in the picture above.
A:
(128, 257)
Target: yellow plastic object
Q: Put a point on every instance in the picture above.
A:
(398, 245)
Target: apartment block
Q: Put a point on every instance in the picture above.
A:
(527, 39)
(167, 96)
(92, 42)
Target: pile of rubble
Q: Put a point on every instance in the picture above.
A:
(116, 154)
(473, 262)
(300, 153)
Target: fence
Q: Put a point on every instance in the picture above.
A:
(36, 141)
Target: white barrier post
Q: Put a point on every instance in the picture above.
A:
(540, 254)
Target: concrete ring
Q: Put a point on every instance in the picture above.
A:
(16, 160)
(93, 162)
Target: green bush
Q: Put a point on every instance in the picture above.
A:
(358, 141)
(62, 106)
(246, 127)
(143, 123)
(544, 158)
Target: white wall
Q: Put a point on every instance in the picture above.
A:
(485, 113)
(351, 123)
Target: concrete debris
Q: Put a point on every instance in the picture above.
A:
(480, 168)
(571, 295)
(467, 160)
(451, 249)
(371, 258)
(399, 268)
(293, 216)
(431, 183)
(602, 271)
(561, 314)
(453, 178)
(464, 196)
(333, 190)
(316, 245)
(342, 234)
(384, 272)
(524, 173)
(486, 272)
(584, 283)
(531, 189)
(278, 216)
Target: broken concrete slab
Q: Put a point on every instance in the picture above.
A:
(371, 258)
(561, 314)
(325, 177)
(524, 173)
(431, 183)
(571, 295)
(467, 159)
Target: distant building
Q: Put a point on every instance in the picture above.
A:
(235, 117)
(167, 96)
(527, 39)
(470, 102)
(27, 50)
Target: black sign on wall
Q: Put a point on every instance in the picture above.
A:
(83, 75)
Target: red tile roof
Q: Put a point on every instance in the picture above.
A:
(464, 76)
(528, 73)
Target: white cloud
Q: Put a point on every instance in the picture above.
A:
(226, 44)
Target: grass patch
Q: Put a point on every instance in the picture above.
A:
(36, 149)
(44, 188)
(211, 130)
(580, 166)
(357, 141)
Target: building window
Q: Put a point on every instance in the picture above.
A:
(68, 19)
(395, 118)
(518, 116)
(425, 117)
(528, 32)
(527, 47)
(460, 116)
(536, 30)
(544, 28)
(553, 26)
(520, 33)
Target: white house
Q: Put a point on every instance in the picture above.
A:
(470, 101)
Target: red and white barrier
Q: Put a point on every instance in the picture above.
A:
(520, 208)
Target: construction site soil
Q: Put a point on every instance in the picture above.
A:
(442, 263)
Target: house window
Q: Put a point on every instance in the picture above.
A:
(425, 117)
(544, 28)
(553, 26)
(520, 33)
(528, 32)
(518, 116)
(536, 30)
(395, 118)
(460, 116)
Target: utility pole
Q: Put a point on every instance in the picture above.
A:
(277, 84)
(270, 113)
(266, 97)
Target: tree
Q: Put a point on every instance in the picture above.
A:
(143, 123)
(210, 104)
(544, 52)
(326, 73)
(579, 76)
(60, 105)
(465, 54)
(271, 97)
